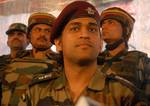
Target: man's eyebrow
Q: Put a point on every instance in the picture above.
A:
(78, 23)
(92, 24)
(75, 23)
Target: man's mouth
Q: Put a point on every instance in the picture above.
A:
(84, 45)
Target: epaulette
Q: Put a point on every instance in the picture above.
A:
(4, 61)
(5, 58)
(55, 56)
(139, 94)
(142, 54)
(23, 53)
(44, 77)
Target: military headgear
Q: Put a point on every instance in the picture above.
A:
(17, 27)
(40, 18)
(126, 20)
(77, 9)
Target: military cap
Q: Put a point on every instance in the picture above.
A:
(40, 18)
(122, 16)
(17, 27)
(77, 9)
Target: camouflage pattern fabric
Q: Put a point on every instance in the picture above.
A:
(107, 92)
(20, 73)
(146, 85)
(131, 65)
(4, 61)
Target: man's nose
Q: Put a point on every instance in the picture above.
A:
(84, 33)
(42, 32)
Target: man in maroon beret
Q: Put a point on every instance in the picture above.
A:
(77, 38)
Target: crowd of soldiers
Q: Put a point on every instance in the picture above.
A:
(79, 68)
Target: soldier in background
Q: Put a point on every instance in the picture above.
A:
(39, 32)
(77, 37)
(30, 63)
(17, 41)
(117, 26)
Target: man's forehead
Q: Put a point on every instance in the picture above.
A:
(110, 19)
(41, 26)
(83, 21)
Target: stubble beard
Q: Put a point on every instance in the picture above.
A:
(85, 62)
(17, 45)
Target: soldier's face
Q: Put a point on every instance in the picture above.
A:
(111, 30)
(80, 40)
(40, 36)
(17, 40)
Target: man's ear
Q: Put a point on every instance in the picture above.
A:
(28, 41)
(29, 36)
(8, 41)
(8, 44)
(101, 43)
(58, 44)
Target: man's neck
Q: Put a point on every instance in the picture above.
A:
(78, 77)
(119, 49)
(39, 54)
(13, 53)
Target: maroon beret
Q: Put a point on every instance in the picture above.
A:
(77, 9)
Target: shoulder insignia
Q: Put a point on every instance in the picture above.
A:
(44, 77)
(55, 56)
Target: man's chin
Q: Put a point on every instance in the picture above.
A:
(85, 61)
(17, 48)
(42, 48)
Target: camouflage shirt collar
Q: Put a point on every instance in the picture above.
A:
(97, 83)
(108, 56)
(60, 82)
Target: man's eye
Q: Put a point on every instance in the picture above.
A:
(20, 34)
(74, 28)
(37, 29)
(47, 30)
(110, 22)
(92, 29)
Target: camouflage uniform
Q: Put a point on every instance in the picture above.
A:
(20, 73)
(25, 67)
(55, 92)
(127, 64)
(5, 60)
(147, 78)
(108, 90)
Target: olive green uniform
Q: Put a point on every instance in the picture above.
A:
(4, 61)
(130, 65)
(127, 64)
(106, 91)
(20, 72)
